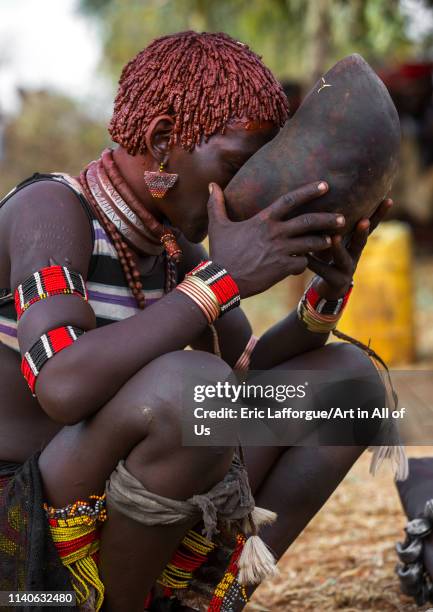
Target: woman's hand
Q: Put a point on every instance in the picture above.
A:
(334, 279)
(266, 248)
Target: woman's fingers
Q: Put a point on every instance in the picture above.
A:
(344, 258)
(340, 270)
(309, 243)
(313, 222)
(340, 255)
(359, 239)
(290, 202)
(216, 205)
(380, 213)
(324, 270)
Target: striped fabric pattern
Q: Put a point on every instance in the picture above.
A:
(8, 326)
(108, 292)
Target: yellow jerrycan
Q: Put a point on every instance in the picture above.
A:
(380, 310)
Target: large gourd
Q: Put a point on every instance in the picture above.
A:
(346, 132)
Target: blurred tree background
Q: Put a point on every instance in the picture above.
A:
(298, 39)
(50, 134)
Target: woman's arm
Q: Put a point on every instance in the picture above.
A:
(290, 337)
(287, 338)
(283, 341)
(234, 329)
(79, 380)
(335, 272)
(46, 224)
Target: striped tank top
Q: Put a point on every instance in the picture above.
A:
(108, 292)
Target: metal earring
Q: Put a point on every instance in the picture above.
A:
(160, 182)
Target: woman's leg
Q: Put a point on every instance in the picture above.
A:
(308, 475)
(141, 424)
(295, 482)
(122, 430)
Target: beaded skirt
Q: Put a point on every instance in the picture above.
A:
(34, 546)
(28, 557)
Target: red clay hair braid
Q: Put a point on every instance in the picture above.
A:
(202, 80)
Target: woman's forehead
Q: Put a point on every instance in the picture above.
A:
(246, 135)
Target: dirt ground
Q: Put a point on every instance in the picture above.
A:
(345, 559)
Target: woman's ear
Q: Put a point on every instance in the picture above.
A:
(158, 136)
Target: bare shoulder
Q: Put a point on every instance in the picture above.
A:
(42, 222)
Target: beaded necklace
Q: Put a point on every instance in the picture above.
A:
(121, 214)
(118, 212)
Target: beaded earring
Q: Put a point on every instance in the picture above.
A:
(160, 182)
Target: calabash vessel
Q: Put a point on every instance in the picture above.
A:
(346, 132)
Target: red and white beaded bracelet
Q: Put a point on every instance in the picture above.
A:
(212, 288)
(220, 282)
(318, 314)
(324, 306)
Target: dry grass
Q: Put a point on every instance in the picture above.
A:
(344, 560)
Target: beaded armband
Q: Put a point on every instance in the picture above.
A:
(53, 280)
(318, 314)
(212, 288)
(43, 349)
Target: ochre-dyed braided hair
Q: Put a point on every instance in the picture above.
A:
(202, 80)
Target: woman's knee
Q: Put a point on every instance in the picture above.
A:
(161, 390)
(358, 388)
(177, 370)
(348, 356)
(144, 416)
(358, 366)
(153, 400)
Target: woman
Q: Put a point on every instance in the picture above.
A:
(93, 264)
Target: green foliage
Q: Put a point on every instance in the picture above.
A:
(297, 38)
(94, 6)
(51, 133)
